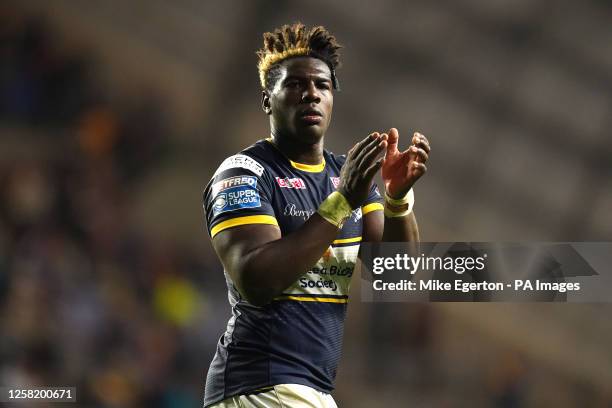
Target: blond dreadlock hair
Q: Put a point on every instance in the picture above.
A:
(296, 41)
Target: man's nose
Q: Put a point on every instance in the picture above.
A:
(311, 93)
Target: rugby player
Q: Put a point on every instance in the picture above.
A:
(286, 218)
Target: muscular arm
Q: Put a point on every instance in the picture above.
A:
(262, 263)
(377, 228)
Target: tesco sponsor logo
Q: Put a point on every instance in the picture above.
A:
(286, 182)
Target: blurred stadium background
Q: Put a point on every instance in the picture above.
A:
(114, 114)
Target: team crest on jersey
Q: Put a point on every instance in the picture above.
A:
(241, 161)
(296, 183)
(335, 181)
(235, 193)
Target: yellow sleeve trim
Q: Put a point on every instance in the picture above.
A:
(347, 240)
(234, 222)
(372, 207)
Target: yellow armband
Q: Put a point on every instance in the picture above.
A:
(335, 209)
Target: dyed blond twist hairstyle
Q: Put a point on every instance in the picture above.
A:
(296, 41)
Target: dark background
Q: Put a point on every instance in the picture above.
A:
(114, 114)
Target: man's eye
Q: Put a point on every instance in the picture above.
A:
(323, 85)
(292, 84)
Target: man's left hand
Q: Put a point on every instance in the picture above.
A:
(400, 170)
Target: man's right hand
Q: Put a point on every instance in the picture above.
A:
(360, 168)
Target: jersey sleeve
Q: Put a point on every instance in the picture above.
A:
(238, 194)
(374, 202)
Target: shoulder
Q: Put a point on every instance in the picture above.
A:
(249, 167)
(252, 159)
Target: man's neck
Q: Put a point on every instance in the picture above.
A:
(297, 151)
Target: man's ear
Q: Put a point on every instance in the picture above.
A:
(265, 102)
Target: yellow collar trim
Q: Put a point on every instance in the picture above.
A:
(310, 168)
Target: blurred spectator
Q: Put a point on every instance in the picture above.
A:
(86, 301)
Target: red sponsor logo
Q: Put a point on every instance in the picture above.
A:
(286, 182)
(335, 181)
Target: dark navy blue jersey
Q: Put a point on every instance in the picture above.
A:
(296, 338)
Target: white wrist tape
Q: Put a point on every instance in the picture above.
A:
(399, 207)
